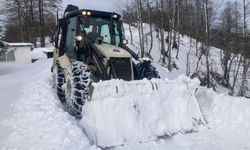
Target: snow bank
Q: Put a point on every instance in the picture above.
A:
(229, 114)
(40, 53)
(39, 121)
(128, 112)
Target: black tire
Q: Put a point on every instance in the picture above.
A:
(146, 70)
(60, 81)
(77, 87)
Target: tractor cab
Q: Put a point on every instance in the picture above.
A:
(101, 29)
(80, 28)
(95, 38)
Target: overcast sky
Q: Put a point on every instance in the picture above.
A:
(109, 5)
(105, 5)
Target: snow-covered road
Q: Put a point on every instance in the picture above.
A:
(13, 78)
(32, 118)
(38, 120)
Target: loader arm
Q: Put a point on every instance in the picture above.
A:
(97, 58)
(133, 54)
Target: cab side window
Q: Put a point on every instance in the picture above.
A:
(71, 32)
(105, 33)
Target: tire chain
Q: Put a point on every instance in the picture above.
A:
(79, 78)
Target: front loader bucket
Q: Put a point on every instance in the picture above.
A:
(123, 112)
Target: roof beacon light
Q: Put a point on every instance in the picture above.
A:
(84, 13)
(88, 13)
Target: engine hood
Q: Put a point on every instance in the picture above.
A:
(112, 51)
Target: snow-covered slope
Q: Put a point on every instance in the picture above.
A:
(187, 55)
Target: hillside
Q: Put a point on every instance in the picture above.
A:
(187, 55)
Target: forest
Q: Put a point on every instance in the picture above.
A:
(30, 20)
(223, 25)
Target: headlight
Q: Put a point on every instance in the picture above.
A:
(78, 38)
(88, 13)
(115, 16)
(125, 42)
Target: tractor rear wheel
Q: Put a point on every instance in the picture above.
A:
(77, 87)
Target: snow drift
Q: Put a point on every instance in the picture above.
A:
(137, 111)
(40, 53)
(226, 113)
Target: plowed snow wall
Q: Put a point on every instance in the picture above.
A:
(128, 112)
(227, 113)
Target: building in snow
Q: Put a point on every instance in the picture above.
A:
(16, 52)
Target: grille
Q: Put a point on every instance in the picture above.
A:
(122, 67)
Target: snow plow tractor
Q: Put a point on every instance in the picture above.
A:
(90, 47)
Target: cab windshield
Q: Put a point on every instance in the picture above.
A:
(100, 27)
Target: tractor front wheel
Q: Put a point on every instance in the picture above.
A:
(77, 87)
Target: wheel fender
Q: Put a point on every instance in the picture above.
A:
(64, 61)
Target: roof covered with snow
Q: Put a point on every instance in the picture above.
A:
(19, 44)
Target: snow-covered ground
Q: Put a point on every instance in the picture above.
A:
(32, 117)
